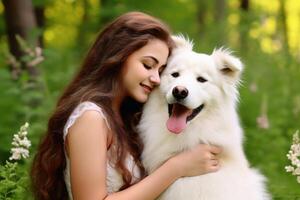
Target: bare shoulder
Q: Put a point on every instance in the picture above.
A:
(90, 128)
(87, 143)
(90, 118)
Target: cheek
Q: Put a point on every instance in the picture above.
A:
(212, 93)
(128, 83)
(139, 72)
(135, 72)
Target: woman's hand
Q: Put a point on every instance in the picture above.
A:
(199, 160)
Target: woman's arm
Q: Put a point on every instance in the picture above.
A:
(87, 142)
(87, 150)
(199, 160)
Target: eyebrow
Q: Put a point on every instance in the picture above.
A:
(153, 58)
(156, 61)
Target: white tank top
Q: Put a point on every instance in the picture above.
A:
(114, 179)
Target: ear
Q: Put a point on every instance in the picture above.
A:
(230, 66)
(182, 42)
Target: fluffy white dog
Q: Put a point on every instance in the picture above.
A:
(196, 103)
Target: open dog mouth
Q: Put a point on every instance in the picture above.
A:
(179, 115)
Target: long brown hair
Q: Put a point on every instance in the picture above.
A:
(97, 81)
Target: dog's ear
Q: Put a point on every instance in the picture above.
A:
(182, 42)
(230, 66)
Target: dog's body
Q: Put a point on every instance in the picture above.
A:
(196, 100)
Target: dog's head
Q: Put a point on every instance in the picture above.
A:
(194, 82)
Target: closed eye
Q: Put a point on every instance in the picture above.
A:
(201, 79)
(146, 66)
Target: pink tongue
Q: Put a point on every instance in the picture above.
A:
(177, 121)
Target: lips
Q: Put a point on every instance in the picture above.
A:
(146, 87)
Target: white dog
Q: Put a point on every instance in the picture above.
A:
(195, 103)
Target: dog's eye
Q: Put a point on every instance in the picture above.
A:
(175, 74)
(201, 79)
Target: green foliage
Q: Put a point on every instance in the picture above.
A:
(13, 181)
(41, 2)
(270, 79)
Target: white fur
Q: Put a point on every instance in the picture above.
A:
(216, 124)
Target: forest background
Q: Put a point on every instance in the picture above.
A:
(54, 36)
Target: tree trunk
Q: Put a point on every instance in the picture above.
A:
(107, 11)
(283, 25)
(244, 24)
(40, 19)
(244, 5)
(220, 8)
(20, 20)
(202, 7)
(219, 21)
(83, 28)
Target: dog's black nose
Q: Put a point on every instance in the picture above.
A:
(180, 92)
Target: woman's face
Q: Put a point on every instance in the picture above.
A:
(141, 71)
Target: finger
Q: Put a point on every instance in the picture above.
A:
(215, 149)
(212, 157)
(214, 168)
(214, 162)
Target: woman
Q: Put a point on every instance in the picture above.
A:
(91, 149)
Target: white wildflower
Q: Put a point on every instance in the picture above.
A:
(253, 87)
(15, 155)
(296, 105)
(35, 61)
(289, 169)
(25, 143)
(263, 120)
(294, 156)
(38, 51)
(297, 171)
(20, 144)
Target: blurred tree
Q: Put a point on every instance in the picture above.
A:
(202, 9)
(39, 11)
(211, 21)
(81, 38)
(111, 9)
(244, 5)
(20, 20)
(219, 19)
(220, 8)
(244, 24)
(283, 25)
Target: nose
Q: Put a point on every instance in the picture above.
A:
(154, 78)
(180, 92)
